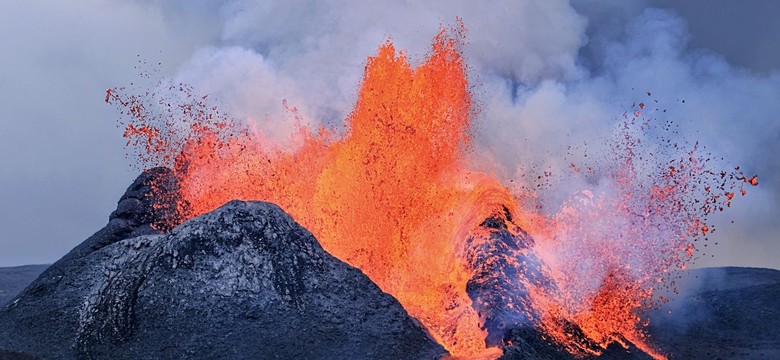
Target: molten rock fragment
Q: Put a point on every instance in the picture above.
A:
(243, 281)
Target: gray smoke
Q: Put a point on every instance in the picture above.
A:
(548, 74)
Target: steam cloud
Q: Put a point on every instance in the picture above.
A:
(547, 74)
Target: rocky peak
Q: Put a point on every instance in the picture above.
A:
(244, 281)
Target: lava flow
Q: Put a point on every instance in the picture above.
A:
(393, 195)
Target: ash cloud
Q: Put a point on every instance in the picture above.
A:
(547, 74)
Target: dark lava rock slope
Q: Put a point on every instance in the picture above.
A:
(242, 282)
(14, 279)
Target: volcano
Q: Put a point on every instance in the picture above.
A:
(242, 282)
(395, 236)
(245, 281)
(402, 193)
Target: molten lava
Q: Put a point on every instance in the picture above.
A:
(394, 196)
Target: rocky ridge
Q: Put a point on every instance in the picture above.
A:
(242, 282)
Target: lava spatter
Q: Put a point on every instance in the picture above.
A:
(395, 195)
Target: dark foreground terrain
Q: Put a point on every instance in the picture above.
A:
(247, 282)
(14, 279)
(724, 313)
(244, 281)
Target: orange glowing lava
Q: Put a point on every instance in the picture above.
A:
(394, 196)
(388, 197)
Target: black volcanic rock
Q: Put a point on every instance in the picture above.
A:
(505, 266)
(242, 282)
(14, 279)
(500, 254)
(138, 213)
(247, 282)
(720, 313)
(15, 355)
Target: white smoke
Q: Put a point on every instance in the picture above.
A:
(313, 54)
(547, 75)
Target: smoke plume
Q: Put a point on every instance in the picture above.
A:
(552, 80)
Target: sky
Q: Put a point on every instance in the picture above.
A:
(550, 73)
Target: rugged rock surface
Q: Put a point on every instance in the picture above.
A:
(15, 355)
(720, 313)
(242, 282)
(505, 266)
(501, 253)
(247, 282)
(14, 279)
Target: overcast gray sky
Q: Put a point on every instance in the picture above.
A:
(63, 167)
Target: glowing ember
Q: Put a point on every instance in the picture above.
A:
(394, 196)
